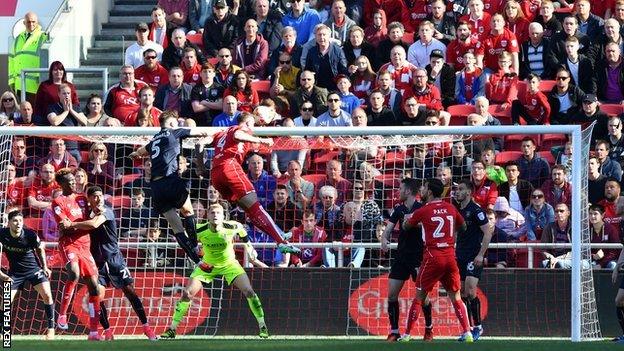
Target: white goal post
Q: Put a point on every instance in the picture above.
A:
(579, 299)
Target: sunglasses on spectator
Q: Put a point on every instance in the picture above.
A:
(431, 123)
(284, 62)
(7, 99)
(222, 56)
(358, 188)
(307, 109)
(150, 57)
(333, 100)
(98, 150)
(304, 79)
(537, 196)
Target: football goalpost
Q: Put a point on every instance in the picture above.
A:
(381, 156)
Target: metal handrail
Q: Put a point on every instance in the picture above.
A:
(103, 70)
(64, 8)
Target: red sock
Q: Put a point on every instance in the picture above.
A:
(68, 292)
(261, 219)
(462, 314)
(412, 315)
(94, 313)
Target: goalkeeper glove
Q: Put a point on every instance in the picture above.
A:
(205, 266)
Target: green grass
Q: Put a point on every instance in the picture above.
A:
(312, 345)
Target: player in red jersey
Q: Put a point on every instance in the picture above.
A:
(440, 221)
(75, 247)
(229, 178)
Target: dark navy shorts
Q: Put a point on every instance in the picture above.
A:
(169, 193)
(468, 269)
(34, 277)
(402, 270)
(114, 272)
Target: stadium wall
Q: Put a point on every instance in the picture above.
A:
(517, 302)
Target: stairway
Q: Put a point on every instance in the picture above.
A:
(110, 44)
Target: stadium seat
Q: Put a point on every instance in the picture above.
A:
(213, 61)
(612, 109)
(389, 179)
(522, 87)
(35, 224)
(120, 201)
(459, 114)
(196, 39)
(129, 178)
(263, 87)
(314, 178)
(513, 141)
(548, 156)
(85, 156)
(547, 85)
(547, 141)
(394, 159)
(504, 116)
(408, 38)
(506, 156)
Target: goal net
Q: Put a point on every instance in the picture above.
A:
(349, 181)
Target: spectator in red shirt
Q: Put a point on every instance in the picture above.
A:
(190, 66)
(414, 15)
(557, 189)
(241, 89)
(176, 11)
(334, 178)
(606, 234)
(400, 69)
(48, 92)
(308, 232)
(146, 112)
(485, 191)
(610, 202)
(516, 21)
(533, 105)
(502, 86)
(123, 98)
(376, 31)
(479, 19)
(425, 93)
(152, 72)
(160, 31)
(40, 193)
(13, 189)
(464, 43)
(499, 40)
(59, 157)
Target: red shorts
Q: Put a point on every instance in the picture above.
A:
(441, 269)
(77, 253)
(231, 181)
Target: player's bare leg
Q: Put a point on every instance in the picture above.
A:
(473, 305)
(73, 272)
(175, 222)
(261, 219)
(137, 305)
(45, 292)
(182, 307)
(94, 307)
(619, 309)
(244, 285)
(462, 315)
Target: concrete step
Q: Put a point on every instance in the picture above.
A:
(107, 50)
(135, 7)
(111, 60)
(129, 19)
(132, 12)
(127, 32)
(119, 25)
(105, 38)
(135, 2)
(112, 44)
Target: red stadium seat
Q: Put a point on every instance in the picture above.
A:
(522, 87)
(35, 224)
(394, 159)
(85, 157)
(213, 61)
(196, 39)
(612, 109)
(548, 156)
(547, 141)
(506, 156)
(389, 179)
(129, 178)
(503, 115)
(263, 87)
(547, 85)
(513, 141)
(459, 114)
(120, 201)
(314, 178)
(408, 38)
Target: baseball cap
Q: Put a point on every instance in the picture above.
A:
(141, 26)
(436, 53)
(590, 98)
(220, 3)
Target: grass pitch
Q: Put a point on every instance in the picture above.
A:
(312, 345)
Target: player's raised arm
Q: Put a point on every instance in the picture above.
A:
(241, 135)
(90, 224)
(139, 153)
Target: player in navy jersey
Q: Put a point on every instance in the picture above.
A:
(169, 191)
(112, 269)
(408, 259)
(20, 246)
(470, 250)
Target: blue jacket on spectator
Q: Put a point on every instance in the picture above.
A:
(223, 120)
(478, 88)
(536, 170)
(337, 64)
(264, 186)
(611, 168)
(304, 24)
(537, 221)
(349, 102)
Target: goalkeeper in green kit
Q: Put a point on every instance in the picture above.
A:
(216, 238)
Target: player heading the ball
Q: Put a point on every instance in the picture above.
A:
(219, 259)
(229, 178)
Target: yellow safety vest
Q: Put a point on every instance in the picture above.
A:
(25, 54)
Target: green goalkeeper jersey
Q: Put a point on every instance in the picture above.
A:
(218, 246)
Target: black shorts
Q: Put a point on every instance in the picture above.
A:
(402, 270)
(169, 193)
(34, 277)
(114, 272)
(468, 269)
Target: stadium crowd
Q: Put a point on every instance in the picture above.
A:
(350, 63)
